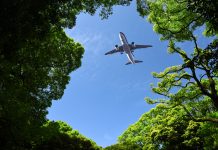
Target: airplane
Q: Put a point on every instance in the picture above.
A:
(127, 48)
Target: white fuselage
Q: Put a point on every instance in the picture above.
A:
(126, 47)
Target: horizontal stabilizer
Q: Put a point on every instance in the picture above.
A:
(138, 61)
(128, 63)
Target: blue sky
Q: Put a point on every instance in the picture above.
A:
(104, 95)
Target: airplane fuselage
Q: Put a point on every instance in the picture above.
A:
(126, 47)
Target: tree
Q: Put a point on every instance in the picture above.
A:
(186, 116)
(170, 127)
(36, 58)
(207, 9)
(37, 75)
(123, 146)
(27, 19)
(176, 23)
(58, 135)
(177, 20)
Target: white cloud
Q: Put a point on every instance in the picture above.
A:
(93, 42)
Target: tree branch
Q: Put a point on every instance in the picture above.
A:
(205, 119)
(171, 71)
(179, 31)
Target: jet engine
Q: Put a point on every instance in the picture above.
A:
(116, 47)
(133, 44)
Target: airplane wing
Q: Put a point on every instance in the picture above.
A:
(133, 47)
(119, 49)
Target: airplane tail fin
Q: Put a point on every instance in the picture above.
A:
(136, 61)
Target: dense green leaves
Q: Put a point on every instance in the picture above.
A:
(207, 9)
(37, 74)
(123, 146)
(27, 19)
(170, 127)
(186, 115)
(58, 135)
(177, 21)
(36, 58)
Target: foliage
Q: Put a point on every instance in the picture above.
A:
(58, 135)
(123, 146)
(207, 9)
(34, 76)
(36, 58)
(176, 23)
(27, 19)
(213, 57)
(177, 19)
(186, 116)
(170, 127)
